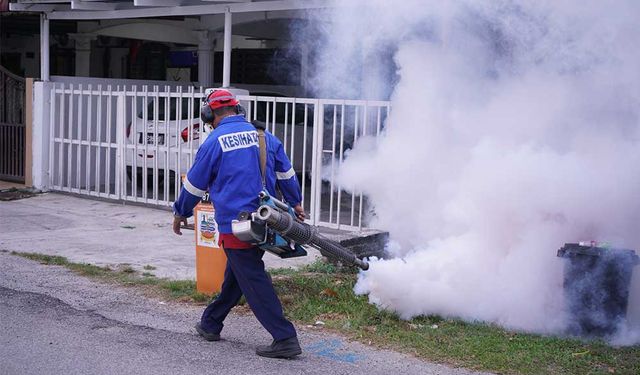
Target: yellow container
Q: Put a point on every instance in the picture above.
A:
(211, 260)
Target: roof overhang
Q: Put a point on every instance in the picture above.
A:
(120, 9)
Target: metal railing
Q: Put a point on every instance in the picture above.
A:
(133, 144)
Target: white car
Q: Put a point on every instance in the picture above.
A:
(173, 136)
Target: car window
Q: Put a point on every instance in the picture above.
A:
(195, 109)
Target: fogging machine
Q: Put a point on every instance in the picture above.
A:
(273, 227)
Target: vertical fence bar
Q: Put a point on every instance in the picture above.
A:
(255, 108)
(293, 130)
(178, 172)
(304, 154)
(143, 137)
(178, 176)
(341, 157)
(267, 106)
(52, 134)
(133, 138)
(87, 179)
(156, 120)
(273, 120)
(333, 161)
(355, 138)
(109, 141)
(98, 138)
(192, 94)
(121, 113)
(316, 168)
(70, 136)
(79, 135)
(364, 132)
(167, 119)
(286, 127)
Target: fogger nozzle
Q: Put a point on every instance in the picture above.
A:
(303, 234)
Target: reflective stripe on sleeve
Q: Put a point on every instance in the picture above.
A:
(188, 186)
(285, 175)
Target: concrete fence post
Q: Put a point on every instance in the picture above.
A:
(40, 135)
(121, 119)
(28, 132)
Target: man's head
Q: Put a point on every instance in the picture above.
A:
(218, 105)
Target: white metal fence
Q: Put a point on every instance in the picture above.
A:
(134, 142)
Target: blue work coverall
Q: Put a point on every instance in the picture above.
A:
(228, 166)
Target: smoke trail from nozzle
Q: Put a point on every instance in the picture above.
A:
(515, 128)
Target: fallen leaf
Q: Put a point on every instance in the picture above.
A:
(329, 292)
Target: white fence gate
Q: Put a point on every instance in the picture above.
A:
(133, 143)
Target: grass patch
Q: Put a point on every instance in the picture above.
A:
(329, 297)
(182, 290)
(322, 292)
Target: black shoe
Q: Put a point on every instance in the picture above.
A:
(287, 348)
(207, 336)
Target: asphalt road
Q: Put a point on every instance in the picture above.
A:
(55, 322)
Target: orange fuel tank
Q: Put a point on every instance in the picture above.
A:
(211, 260)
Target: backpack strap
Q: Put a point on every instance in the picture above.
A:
(263, 155)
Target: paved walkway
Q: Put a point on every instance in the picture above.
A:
(104, 233)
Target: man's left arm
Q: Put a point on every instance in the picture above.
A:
(287, 182)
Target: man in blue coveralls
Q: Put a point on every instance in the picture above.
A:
(228, 166)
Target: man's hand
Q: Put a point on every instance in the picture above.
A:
(177, 220)
(300, 212)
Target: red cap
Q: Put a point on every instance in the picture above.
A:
(221, 98)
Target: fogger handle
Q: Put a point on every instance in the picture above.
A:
(280, 204)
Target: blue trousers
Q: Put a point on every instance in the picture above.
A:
(245, 274)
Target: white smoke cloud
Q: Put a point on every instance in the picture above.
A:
(515, 128)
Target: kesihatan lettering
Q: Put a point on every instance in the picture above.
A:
(235, 141)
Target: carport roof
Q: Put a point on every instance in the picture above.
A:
(117, 9)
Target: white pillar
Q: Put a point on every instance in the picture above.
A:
(226, 67)
(40, 140)
(83, 53)
(206, 49)
(44, 47)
